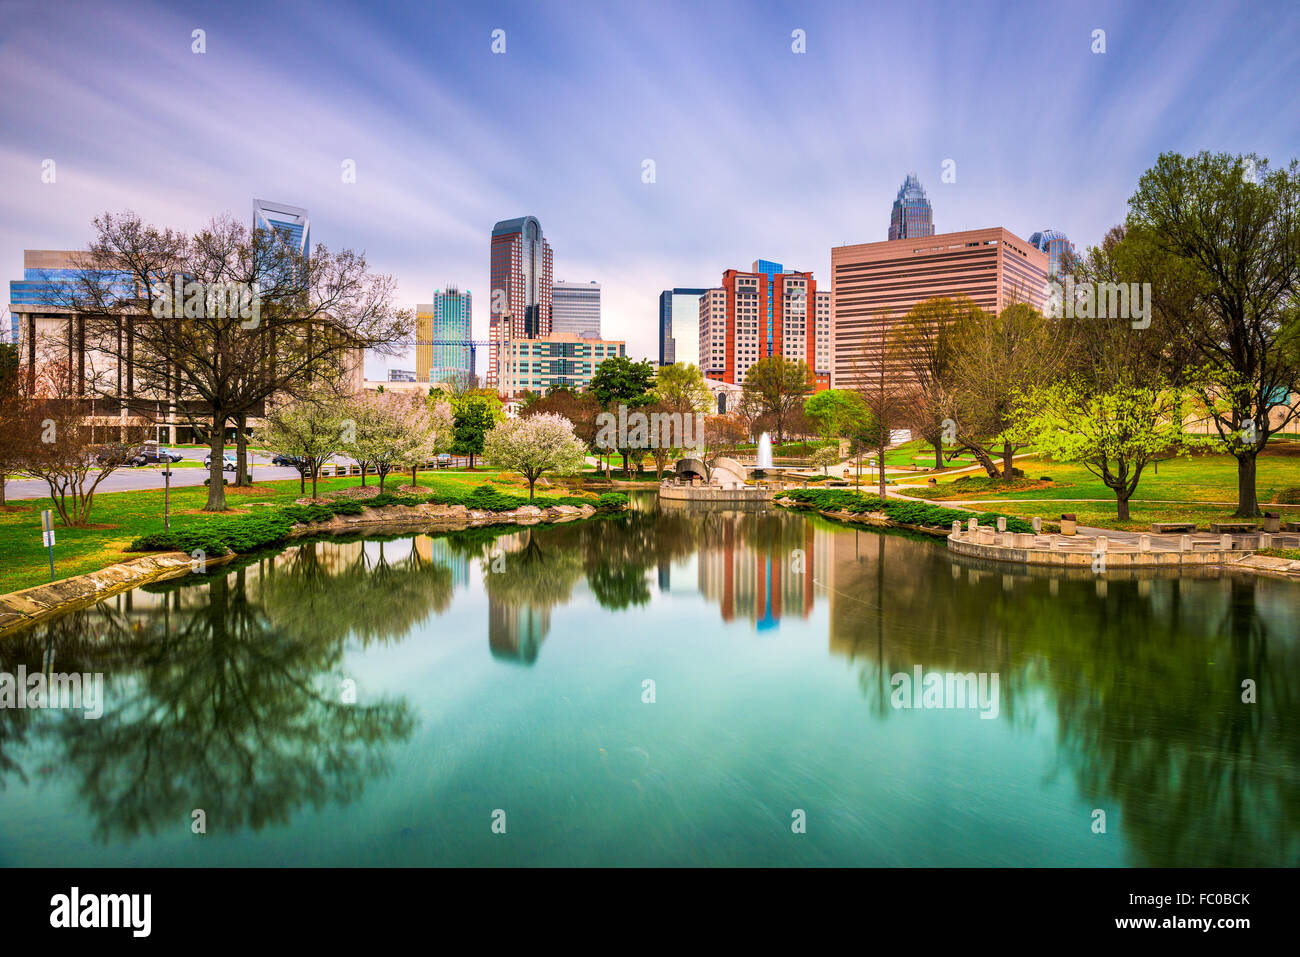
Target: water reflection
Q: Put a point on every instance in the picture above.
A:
(225, 692)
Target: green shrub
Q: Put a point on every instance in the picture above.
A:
(245, 533)
(907, 513)
(1289, 496)
(488, 499)
(344, 506)
(611, 502)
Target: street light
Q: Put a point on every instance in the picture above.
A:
(167, 494)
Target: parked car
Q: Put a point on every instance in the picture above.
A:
(152, 455)
(444, 460)
(228, 463)
(289, 460)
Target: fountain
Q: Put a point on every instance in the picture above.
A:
(764, 461)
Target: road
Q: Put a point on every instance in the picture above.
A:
(151, 477)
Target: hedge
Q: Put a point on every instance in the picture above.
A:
(246, 533)
(896, 510)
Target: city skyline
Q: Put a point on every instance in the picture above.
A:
(87, 95)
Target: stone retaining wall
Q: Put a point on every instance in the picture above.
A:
(30, 605)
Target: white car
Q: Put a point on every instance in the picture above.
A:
(228, 463)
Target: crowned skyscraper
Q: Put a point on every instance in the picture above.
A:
(912, 215)
(1057, 246)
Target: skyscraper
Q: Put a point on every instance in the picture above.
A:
(575, 309)
(1057, 246)
(767, 311)
(288, 222)
(442, 333)
(679, 326)
(520, 307)
(912, 215)
(873, 285)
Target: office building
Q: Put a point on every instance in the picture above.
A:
(289, 223)
(679, 326)
(402, 375)
(575, 309)
(522, 269)
(873, 285)
(767, 311)
(1058, 247)
(443, 350)
(120, 391)
(550, 362)
(912, 216)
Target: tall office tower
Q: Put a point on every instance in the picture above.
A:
(288, 222)
(520, 306)
(912, 215)
(873, 285)
(1057, 246)
(575, 309)
(679, 326)
(767, 311)
(442, 334)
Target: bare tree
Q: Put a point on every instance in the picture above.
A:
(160, 306)
(62, 445)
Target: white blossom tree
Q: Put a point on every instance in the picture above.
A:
(534, 445)
(309, 430)
(392, 430)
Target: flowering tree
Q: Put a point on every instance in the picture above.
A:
(432, 425)
(393, 430)
(534, 445)
(309, 430)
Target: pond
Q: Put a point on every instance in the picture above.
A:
(673, 686)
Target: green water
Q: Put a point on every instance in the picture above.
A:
(506, 671)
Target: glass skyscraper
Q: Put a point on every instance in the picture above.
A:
(288, 222)
(1057, 246)
(679, 326)
(575, 309)
(912, 215)
(522, 270)
(442, 332)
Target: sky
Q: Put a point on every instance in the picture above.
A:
(758, 151)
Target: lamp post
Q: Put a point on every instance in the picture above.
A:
(167, 495)
(47, 533)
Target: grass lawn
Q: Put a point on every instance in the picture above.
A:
(1189, 479)
(119, 517)
(1102, 514)
(1291, 553)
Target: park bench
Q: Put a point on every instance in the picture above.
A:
(1173, 528)
(1291, 526)
(1218, 528)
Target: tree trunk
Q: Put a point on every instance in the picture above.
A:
(880, 464)
(315, 472)
(363, 474)
(938, 454)
(531, 482)
(383, 474)
(1008, 468)
(216, 477)
(1121, 507)
(2, 488)
(302, 482)
(243, 473)
(414, 483)
(985, 460)
(1247, 502)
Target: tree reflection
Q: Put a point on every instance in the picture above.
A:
(222, 711)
